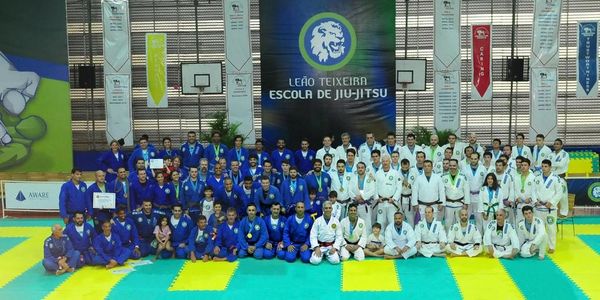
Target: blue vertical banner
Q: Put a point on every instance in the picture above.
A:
(587, 60)
(327, 66)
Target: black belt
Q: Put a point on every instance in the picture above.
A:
(430, 242)
(345, 201)
(351, 243)
(456, 200)
(464, 244)
(406, 195)
(429, 203)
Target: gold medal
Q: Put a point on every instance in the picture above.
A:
(320, 190)
(341, 189)
(249, 235)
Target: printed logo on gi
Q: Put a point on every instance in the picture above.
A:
(20, 196)
(589, 30)
(327, 41)
(594, 192)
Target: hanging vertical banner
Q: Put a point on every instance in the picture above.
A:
(546, 23)
(238, 67)
(587, 60)
(156, 69)
(118, 97)
(117, 60)
(544, 120)
(446, 64)
(327, 66)
(447, 96)
(481, 44)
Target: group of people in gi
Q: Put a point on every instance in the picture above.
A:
(377, 199)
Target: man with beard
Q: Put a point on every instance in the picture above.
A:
(326, 237)
(464, 239)
(399, 239)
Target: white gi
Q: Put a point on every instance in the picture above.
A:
(476, 179)
(457, 194)
(434, 154)
(341, 151)
(495, 156)
(364, 152)
(365, 188)
(523, 151)
(478, 149)
(431, 237)
(507, 187)
(459, 150)
(535, 235)
(560, 165)
(502, 242)
(409, 154)
(326, 235)
(548, 191)
(408, 180)
(488, 206)
(389, 188)
(539, 155)
(321, 154)
(524, 188)
(337, 209)
(354, 235)
(428, 193)
(438, 168)
(465, 239)
(386, 149)
(400, 238)
(340, 184)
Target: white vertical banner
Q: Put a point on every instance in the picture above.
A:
(447, 100)
(156, 69)
(117, 89)
(544, 90)
(546, 23)
(238, 66)
(446, 65)
(117, 61)
(587, 60)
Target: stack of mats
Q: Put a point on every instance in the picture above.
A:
(584, 162)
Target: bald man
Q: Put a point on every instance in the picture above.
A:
(98, 215)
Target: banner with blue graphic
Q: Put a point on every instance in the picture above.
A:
(586, 191)
(327, 67)
(587, 60)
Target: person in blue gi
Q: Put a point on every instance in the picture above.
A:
(218, 217)
(253, 169)
(280, 154)
(111, 160)
(296, 235)
(200, 241)
(321, 181)
(140, 164)
(259, 151)
(121, 187)
(238, 152)
(141, 190)
(293, 189)
(235, 173)
(304, 157)
(191, 151)
(168, 150)
(248, 190)
(283, 174)
(266, 196)
(181, 226)
(315, 205)
(177, 187)
(81, 235)
(109, 248)
(275, 224)
(72, 197)
(125, 228)
(215, 180)
(215, 150)
(183, 172)
(269, 172)
(252, 235)
(164, 194)
(59, 254)
(226, 241)
(145, 220)
(231, 196)
(98, 215)
(193, 192)
(145, 151)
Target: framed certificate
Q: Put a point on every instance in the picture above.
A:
(157, 163)
(104, 200)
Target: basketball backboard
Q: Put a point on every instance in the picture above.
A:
(410, 74)
(205, 78)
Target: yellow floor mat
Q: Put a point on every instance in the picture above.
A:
(359, 276)
(12, 262)
(215, 276)
(88, 283)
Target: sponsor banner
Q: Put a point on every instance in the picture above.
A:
(447, 100)
(587, 60)
(543, 115)
(156, 69)
(546, 23)
(481, 43)
(32, 195)
(586, 190)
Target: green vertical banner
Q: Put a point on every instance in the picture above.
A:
(156, 69)
(35, 108)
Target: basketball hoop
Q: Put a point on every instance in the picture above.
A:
(404, 86)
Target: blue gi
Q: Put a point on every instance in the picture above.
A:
(128, 234)
(54, 249)
(168, 153)
(297, 234)
(215, 221)
(133, 176)
(177, 192)
(227, 241)
(164, 198)
(184, 174)
(138, 153)
(82, 243)
(252, 233)
(98, 215)
(315, 208)
(140, 192)
(180, 235)
(240, 155)
(121, 190)
(237, 179)
(275, 232)
(213, 153)
(304, 163)
(200, 242)
(191, 154)
(193, 192)
(235, 198)
(72, 199)
(292, 192)
(278, 157)
(321, 183)
(265, 200)
(255, 174)
(108, 160)
(214, 183)
(262, 157)
(108, 249)
(145, 227)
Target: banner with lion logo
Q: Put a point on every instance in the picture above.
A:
(327, 67)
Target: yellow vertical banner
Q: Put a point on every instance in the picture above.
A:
(156, 69)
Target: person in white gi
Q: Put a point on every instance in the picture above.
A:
(464, 239)
(490, 199)
(430, 235)
(532, 235)
(540, 152)
(560, 164)
(326, 237)
(410, 150)
(390, 145)
(548, 190)
(458, 194)
(457, 146)
(340, 182)
(475, 145)
(408, 176)
(351, 160)
(475, 174)
(428, 190)
(525, 193)
(362, 191)
(434, 152)
(355, 235)
(500, 238)
(388, 186)
(519, 149)
(418, 167)
(327, 149)
(507, 190)
(496, 151)
(487, 163)
(399, 239)
(364, 151)
(440, 167)
(467, 158)
(342, 149)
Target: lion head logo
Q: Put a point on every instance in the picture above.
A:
(327, 41)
